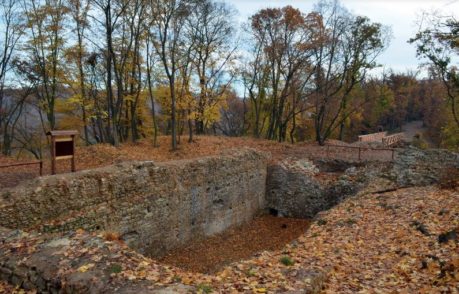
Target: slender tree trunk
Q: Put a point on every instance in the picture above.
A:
(152, 100)
(341, 131)
(190, 128)
(173, 112)
(111, 125)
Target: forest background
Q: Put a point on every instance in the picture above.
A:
(128, 70)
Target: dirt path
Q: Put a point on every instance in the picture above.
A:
(412, 128)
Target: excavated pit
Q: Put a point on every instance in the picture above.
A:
(278, 226)
(196, 214)
(211, 254)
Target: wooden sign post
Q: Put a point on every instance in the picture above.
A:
(62, 147)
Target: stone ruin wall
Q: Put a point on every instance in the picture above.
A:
(297, 192)
(158, 206)
(300, 193)
(153, 206)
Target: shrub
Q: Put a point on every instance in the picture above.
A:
(251, 272)
(351, 221)
(116, 268)
(419, 142)
(287, 261)
(204, 288)
(322, 222)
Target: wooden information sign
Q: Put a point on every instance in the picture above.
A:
(62, 147)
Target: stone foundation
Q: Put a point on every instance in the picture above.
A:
(154, 207)
(293, 190)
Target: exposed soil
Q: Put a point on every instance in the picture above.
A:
(413, 128)
(211, 254)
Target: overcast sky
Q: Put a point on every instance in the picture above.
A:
(400, 15)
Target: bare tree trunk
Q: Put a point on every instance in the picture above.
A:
(190, 128)
(173, 112)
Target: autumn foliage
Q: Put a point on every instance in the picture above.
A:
(121, 71)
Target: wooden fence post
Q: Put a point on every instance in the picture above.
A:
(73, 157)
(53, 155)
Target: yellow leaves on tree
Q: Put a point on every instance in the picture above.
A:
(187, 105)
(70, 112)
(450, 134)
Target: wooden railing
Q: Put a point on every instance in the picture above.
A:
(375, 137)
(361, 151)
(393, 139)
(386, 140)
(39, 162)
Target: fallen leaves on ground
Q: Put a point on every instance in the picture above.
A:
(404, 241)
(210, 254)
(368, 244)
(100, 155)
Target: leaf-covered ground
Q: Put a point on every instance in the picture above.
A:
(103, 154)
(212, 253)
(405, 241)
(5, 288)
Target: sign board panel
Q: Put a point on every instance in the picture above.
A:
(62, 147)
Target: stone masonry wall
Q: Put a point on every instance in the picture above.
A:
(292, 192)
(417, 167)
(297, 192)
(153, 206)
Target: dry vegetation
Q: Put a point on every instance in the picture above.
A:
(105, 154)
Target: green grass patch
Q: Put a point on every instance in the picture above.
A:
(116, 268)
(204, 288)
(287, 261)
